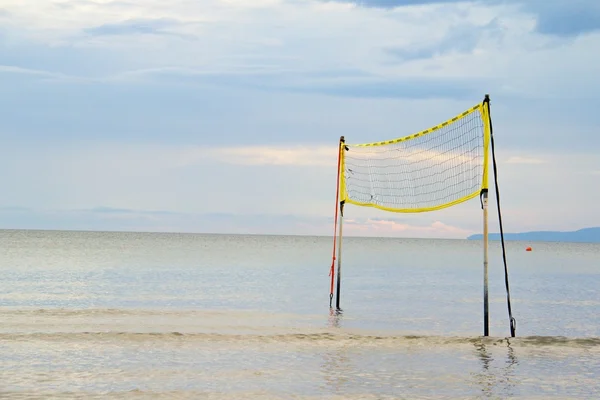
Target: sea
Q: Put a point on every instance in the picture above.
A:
(99, 315)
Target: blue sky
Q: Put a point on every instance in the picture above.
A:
(224, 115)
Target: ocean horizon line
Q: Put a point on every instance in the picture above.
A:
(493, 237)
(220, 233)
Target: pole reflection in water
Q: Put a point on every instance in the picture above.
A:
(493, 379)
(336, 366)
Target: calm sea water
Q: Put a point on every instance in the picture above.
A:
(153, 316)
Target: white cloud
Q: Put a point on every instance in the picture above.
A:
(383, 227)
(270, 180)
(19, 70)
(171, 177)
(496, 44)
(105, 218)
(145, 159)
(265, 155)
(240, 72)
(273, 179)
(524, 160)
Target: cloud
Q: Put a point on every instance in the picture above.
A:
(113, 210)
(383, 227)
(174, 178)
(114, 219)
(474, 48)
(144, 187)
(397, 3)
(393, 88)
(104, 104)
(111, 219)
(136, 27)
(524, 160)
(341, 83)
(10, 69)
(205, 114)
(463, 38)
(265, 155)
(565, 18)
(13, 208)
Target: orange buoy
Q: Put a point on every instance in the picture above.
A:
(528, 249)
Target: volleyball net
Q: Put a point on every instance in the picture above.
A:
(436, 168)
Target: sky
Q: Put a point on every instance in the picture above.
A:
(223, 116)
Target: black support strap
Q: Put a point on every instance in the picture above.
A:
(513, 321)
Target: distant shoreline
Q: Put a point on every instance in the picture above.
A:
(586, 235)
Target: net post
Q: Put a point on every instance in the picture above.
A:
(512, 320)
(486, 315)
(335, 223)
(339, 257)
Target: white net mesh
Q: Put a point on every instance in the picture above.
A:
(430, 170)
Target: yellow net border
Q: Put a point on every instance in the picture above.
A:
(483, 108)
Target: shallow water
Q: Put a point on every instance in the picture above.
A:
(124, 315)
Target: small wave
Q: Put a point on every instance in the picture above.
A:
(557, 341)
(65, 312)
(137, 312)
(312, 338)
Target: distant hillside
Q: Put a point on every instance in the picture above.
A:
(587, 235)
